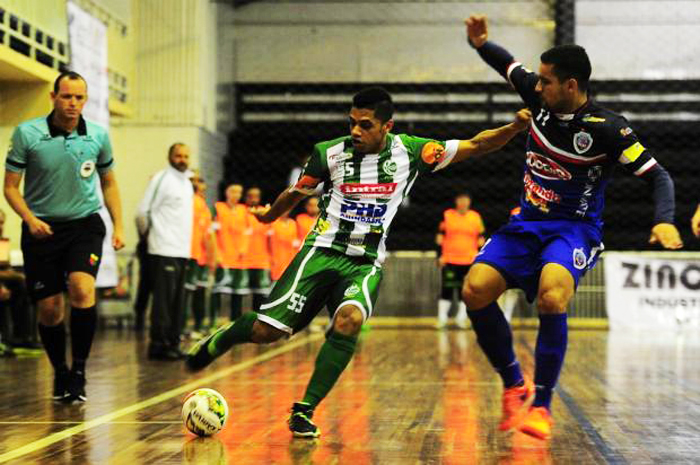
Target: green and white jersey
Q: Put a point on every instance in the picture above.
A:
(364, 191)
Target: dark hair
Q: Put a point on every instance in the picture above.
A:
(72, 75)
(173, 147)
(463, 194)
(570, 62)
(376, 99)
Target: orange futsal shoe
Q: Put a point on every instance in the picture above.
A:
(516, 401)
(538, 423)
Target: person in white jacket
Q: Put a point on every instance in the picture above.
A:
(165, 215)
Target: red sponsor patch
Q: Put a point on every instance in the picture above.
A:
(368, 190)
(546, 168)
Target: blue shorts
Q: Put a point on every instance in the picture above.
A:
(520, 249)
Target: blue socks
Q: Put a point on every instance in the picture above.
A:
(496, 340)
(549, 356)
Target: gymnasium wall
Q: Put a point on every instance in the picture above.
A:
(640, 39)
(343, 41)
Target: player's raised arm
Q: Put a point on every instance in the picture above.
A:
(522, 79)
(485, 142)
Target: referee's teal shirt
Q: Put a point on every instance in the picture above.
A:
(60, 169)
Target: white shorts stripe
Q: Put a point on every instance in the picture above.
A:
(274, 323)
(365, 290)
(289, 293)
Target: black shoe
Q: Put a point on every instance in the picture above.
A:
(60, 385)
(162, 352)
(140, 322)
(198, 357)
(300, 423)
(178, 353)
(76, 387)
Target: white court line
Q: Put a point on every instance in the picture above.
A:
(185, 388)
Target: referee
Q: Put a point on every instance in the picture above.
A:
(62, 232)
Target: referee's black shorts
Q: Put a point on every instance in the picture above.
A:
(75, 245)
(452, 278)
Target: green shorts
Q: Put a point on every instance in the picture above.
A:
(197, 275)
(259, 281)
(231, 281)
(317, 277)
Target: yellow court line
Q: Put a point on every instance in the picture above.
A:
(185, 388)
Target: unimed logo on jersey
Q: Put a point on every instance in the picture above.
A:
(362, 212)
(373, 191)
(546, 168)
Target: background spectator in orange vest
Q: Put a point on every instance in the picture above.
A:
(306, 220)
(203, 261)
(460, 237)
(232, 228)
(284, 244)
(256, 260)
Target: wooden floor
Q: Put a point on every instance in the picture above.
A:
(409, 396)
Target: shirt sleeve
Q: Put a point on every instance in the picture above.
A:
(105, 160)
(314, 173)
(423, 152)
(522, 79)
(16, 160)
(624, 146)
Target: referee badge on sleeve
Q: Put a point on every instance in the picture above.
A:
(87, 168)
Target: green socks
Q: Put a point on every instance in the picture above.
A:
(334, 356)
(234, 333)
(214, 307)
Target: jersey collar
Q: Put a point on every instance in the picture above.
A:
(571, 116)
(55, 131)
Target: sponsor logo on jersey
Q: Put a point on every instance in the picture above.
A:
(322, 226)
(351, 291)
(539, 196)
(624, 132)
(582, 142)
(592, 119)
(362, 212)
(94, 259)
(546, 168)
(340, 157)
(580, 260)
(372, 191)
(390, 167)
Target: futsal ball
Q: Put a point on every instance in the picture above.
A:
(204, 412)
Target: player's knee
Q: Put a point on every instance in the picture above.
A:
(476, 294)
(50, 311)
(264, 333)
(348, 321)
(81, 295)
(552, 301)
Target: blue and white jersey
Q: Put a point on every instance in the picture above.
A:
(571, 157)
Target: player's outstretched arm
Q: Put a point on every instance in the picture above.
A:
(284, 203)
(492, 139)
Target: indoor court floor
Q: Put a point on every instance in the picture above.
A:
(410, 396)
